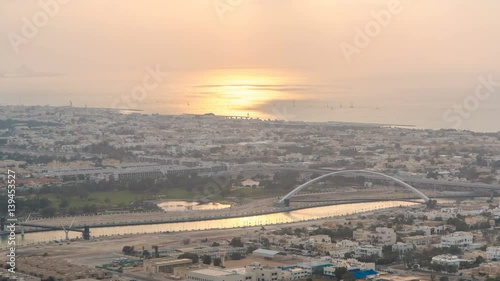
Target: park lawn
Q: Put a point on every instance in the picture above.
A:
(320, 186)
(179, 194)
(251, 193)
(117, 198)
(99, 199)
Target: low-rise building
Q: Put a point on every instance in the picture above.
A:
(384, 235)
(295, 273)
(263, 273)
(218, 274)
(164, 265)
(352, 264)
(367, 251)
(493, 253)
(266, 254)
(340, 253)
(347, 244)
(461, 239)
(381, 235)
(402, 248)
(320, 239)
(326, 247)
(491, 268)
(421, 240)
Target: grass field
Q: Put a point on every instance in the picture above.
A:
(178, 193)
(118, 198)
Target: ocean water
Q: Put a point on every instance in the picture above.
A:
(420, 100)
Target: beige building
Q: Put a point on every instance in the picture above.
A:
(460, 239)
(367, 251)
(381, 235)
(347, 244)
(421, 240)
(491, 268)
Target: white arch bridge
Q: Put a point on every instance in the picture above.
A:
(284, 201)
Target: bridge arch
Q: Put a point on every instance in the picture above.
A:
(302, 186)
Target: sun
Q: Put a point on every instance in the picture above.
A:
(242, 91)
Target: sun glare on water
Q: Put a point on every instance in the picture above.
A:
(242, 92)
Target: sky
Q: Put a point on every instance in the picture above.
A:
(435, 44)
(89, 35)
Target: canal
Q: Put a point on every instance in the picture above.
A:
(308, 214)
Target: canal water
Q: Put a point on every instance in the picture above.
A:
(308, 214)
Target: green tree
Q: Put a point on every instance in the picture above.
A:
(453, 250)
(236, 242)
(217, 261)
(479, 260)
(236, 256)
(265, 242)
(251, 248)
(206, 259)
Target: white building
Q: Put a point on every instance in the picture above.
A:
(384, 235)
(339, 253)
(463, 240)
(493, 253)
(429, 230)
(263, 273)
(250, 183)
(218, 274)
(447, 260)
(367, 251)
(347, 244)
(402, 248)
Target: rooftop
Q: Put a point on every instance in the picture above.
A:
(265, 252)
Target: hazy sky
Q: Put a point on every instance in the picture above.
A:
(257, 53)
(89, 35)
